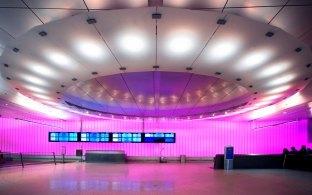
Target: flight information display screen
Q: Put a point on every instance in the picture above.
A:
(63, 136)
(112, 137)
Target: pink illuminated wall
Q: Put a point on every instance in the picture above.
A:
(193, 138)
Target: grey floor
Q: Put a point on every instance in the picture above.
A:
(150, 178)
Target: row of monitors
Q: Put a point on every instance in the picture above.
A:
(111, 137)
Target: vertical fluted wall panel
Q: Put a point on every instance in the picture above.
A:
(193, 138)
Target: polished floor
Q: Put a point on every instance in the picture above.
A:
(150, 178)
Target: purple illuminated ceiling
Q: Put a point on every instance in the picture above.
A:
(157, 94)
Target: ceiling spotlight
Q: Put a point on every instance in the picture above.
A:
(189, 68)
(91, 21)
(298, 49)
(8, 78)
(156, 16)
(250, 86)
(269, 34)
(15, 49)
(94, 73)
(6, 65)
(156, 66)
(238, 79)
(218, 73)
(74, 79)
(122, 68)
(62, 85)
(58, 92)
(221, 21)
(43, 33)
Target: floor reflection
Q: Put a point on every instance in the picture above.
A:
(99, 185)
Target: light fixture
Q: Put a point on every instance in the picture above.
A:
(91, 21)
(269, 34)
(43, 33)
(298, 49)
(156, 16)
(15, 49)
(221, 21)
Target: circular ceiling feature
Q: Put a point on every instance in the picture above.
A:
(157, 94)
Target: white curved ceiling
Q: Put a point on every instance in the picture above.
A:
(267, 66)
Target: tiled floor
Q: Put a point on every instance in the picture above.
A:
(150, 178)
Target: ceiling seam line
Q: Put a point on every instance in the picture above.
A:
(206, 91)
(131, 93)
(156, 98)
(278, 12)
(88, 96)
(33, 12)
(107, 91)
(2, 29)
(176, 105)
(200, 53)
(224, 6)
(304, 33)
(86, 5)
(111, 51)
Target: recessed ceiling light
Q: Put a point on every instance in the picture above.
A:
(218, 73)
(238, 79)
(189, 68)
(281, 80)
(155, 66)
(308, 65)
(15, 49)
(42, 69)
(250, 86)
(91, 21)
(92, 51)
(221, 21)
(306, 78)
(6, 65)
(74, 79)
(254, 59)
(43, 33)
(94, 73)
(298, 49)
(255, 93)
(62, 85)
(8, 78)
(181, 43)
(156, 16)
(17, 89)
(278, 89)
(35, 89)
(58, 92)
(33, 79)
(269, 34)
(122, 68)
(133, 43)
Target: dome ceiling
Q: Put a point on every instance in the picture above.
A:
(175, 63)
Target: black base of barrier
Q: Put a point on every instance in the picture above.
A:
(274, 161)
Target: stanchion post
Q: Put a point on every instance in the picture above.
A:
(22, 161)
(54, 158)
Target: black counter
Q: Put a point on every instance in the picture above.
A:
(267, 161)
(112, 156)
